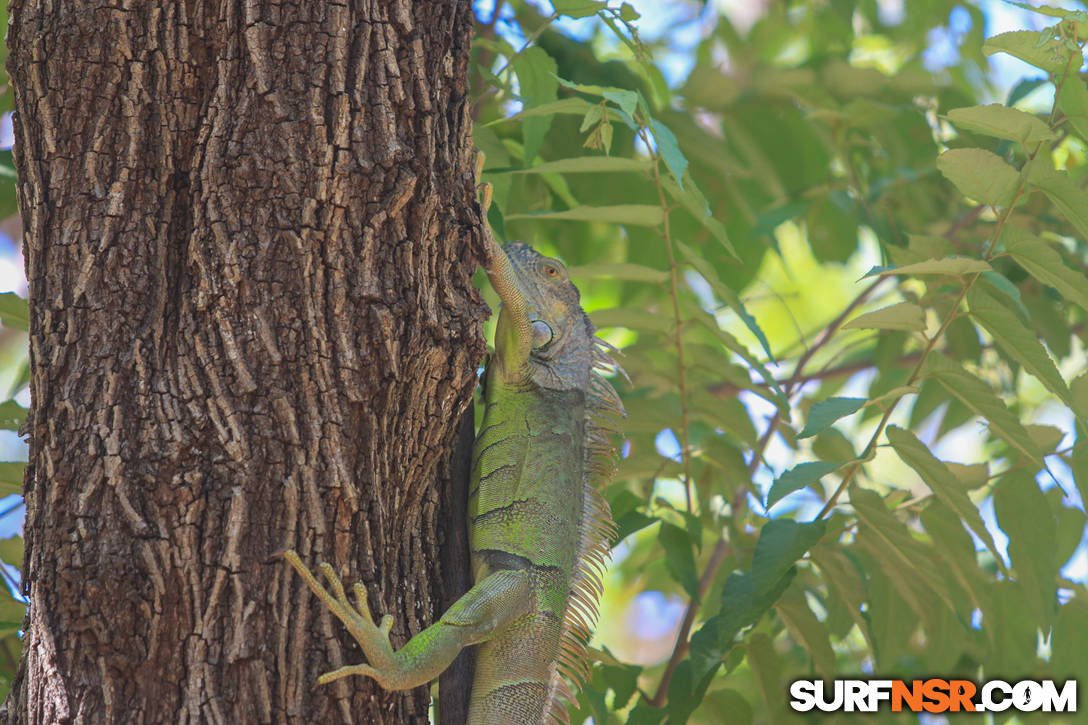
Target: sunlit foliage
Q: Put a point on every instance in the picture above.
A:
(847, 272)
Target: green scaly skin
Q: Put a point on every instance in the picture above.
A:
(538, 529)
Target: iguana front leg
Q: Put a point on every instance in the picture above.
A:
(499, 598)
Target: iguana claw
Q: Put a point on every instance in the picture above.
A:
(372, 638)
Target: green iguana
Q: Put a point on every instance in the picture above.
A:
(538, 528)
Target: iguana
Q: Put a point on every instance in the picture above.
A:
(538, 528)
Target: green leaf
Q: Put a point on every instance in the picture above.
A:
(626, 100)
(796, 478)
(826, 412)
(1023, 514)
(692, 199)
(941, 481)
(14, 312)
(12, 612)
(952, 266)
(726, 706)
(741, 607)
(1062, 192)
(844, 579)
(12, 415)
(646, 215)
(1071, 528)
(1047, 438)
(1073, 102)
(538, 85)
(901, 316)
(732, 343)
(11, 478)
(1001, 284)
(1015, 630)
(728, 296)
(1046, 265)
(781, 543)
(957, 552)
(587, 164)
(890, 619)
(980, 175)
(679, 557)
(1002, 122)
(1050, 56)
(887, 539)
(593, 117)
(1069, 656)
(767, 668)
(632, 318)
(1051, 11)
(619, 270)
(978, 396)
(1079, 460)
(747, 595)
(1021, 344)
(669, 150)
(806, 629)
(572, 106)
(11, 550)
(578, 8)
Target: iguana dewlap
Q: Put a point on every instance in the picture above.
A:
(538, 528)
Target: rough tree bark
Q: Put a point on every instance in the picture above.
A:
(250, 228)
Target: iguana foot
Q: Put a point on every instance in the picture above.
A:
(372, 638)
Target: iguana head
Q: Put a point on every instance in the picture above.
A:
(563, 337)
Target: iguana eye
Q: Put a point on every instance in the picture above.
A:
(542, 334)
(551, 268)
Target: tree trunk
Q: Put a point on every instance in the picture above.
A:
(250, 228)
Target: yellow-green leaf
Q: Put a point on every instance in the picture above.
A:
(11, 477)
(980, 175)
(951, 266)
(902, 316)
(573, 106)
(578, 8)
(11, 550)
(14, 312)
(1050, 55)
(1002, 122)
